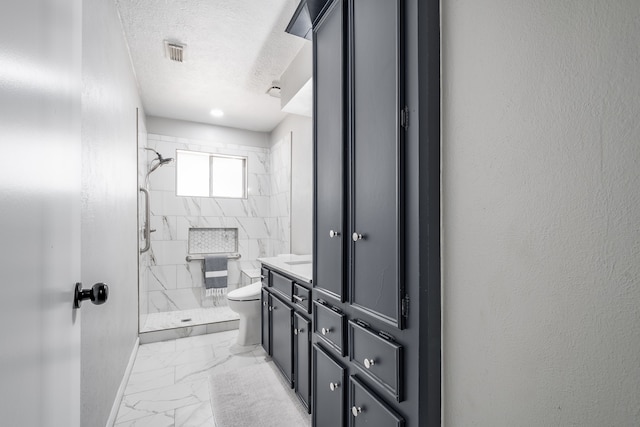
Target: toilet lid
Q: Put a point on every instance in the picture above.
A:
(246, 293)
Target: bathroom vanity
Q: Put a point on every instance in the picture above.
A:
(286, 319)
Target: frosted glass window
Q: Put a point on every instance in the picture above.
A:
(210, 175)
(192, 174)
(228, 177)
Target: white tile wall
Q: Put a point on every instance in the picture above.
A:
(170, 283)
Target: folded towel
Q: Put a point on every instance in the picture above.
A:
(215, 272)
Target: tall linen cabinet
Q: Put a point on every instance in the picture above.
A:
(370, 264)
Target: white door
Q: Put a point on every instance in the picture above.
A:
(40, 83)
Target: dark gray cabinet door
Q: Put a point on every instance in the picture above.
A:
(266, 321)
(329, 152)
(282, 337)
(302, 358)
(367, 409)
(329, 390)
(376, 157)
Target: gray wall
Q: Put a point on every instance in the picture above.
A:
(109, 208)
(301, 179)
(541, 212)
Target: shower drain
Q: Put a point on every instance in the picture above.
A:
(186, 320)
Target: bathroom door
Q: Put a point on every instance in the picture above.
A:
(40, 89)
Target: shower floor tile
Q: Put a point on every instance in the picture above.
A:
(182, 318)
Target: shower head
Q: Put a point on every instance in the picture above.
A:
(160, 161)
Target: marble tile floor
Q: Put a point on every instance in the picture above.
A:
(196, 316)
(169, 382)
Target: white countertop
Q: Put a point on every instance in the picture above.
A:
(297, 266)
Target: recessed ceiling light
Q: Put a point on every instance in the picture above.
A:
(217, 112)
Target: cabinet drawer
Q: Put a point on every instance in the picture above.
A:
(367, 409)
(302, 297)
(377, 357)
(329, 324)
(329, 388)
(264, 276)
(282, 284)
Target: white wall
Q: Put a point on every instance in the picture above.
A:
(205, 132)
(109, 208)
(541, 212)
(301, 129)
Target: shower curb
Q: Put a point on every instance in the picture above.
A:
(187, 331)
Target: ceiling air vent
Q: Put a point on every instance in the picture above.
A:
(174, 51)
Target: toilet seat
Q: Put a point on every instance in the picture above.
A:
(251, 292)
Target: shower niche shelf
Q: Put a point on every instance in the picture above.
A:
(213, 240)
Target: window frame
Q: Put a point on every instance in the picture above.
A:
(211, 156)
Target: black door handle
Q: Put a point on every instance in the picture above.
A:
(98, 294)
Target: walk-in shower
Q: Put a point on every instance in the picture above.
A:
(175, 233)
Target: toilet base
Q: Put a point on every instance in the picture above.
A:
(249, 330)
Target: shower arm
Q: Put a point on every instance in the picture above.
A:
(147, 221)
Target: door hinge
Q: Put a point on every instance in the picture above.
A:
(404, 118)
(405, 306)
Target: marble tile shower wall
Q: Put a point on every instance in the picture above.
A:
(281, 194)
(172, 282)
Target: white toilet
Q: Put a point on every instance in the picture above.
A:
(246, 302)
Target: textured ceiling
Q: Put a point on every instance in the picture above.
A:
(235, 49)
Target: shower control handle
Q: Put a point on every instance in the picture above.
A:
(98, 294)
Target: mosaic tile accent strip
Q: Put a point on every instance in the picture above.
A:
(213, 240)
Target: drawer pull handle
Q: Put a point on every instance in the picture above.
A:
(334, 386)
(297, 298)
(368, 363)
(325, 331)
(333, 234)
(357, 236)
(356, 410)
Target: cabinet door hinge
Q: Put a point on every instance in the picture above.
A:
(404, 118)
(405, 306)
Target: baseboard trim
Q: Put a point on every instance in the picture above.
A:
(123, 384)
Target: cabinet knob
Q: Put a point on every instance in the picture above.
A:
(325, 331)
(295, 332)
(264, 303)
(270, 308)
(333, 234)
(334, 386)
(357, 236)
(368, 363)
(356, 410)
